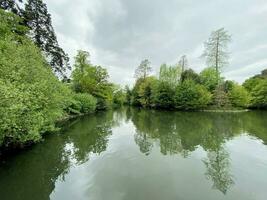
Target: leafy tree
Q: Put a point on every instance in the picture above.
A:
(221, 98)
(119, 97)
(183, 62)
(216, 50)
(39, 21)
(239, 97)
(128, 97)
(191, 96)
(208, 78)
(189, 74)
(145, 91)
(170, 75)
(143, 69)
(91, 79)
(164, 96)
(259, 95)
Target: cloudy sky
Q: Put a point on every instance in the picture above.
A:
(120, 33)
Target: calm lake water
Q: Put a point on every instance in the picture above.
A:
(132, 154)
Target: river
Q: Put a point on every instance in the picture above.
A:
(131, 154)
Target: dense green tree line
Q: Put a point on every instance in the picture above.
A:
(179, 87)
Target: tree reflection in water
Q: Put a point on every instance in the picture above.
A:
(183, 132)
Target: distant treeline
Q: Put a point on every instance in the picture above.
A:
(180, 87)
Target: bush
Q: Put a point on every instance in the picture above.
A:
(238, 95)
(259, 95)
(85, 102)
(191, 96)
(32, 98)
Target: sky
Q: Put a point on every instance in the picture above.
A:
(119, 34)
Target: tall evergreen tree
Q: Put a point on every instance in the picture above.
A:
(39, 20)
(11, 5)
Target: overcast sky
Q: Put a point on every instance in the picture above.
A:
(120, 33)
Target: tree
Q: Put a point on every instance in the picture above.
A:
(239, 96)
(209, 78)
(143, 69)
(164, 96)
(11, 5)
(220, 97)
(216, 50)
(191, 96)
(145, 91)
(183, 62)
(32, 98)
(190, 74)
(91, 79)
(170, 75)
(42, 33)
(259, 95)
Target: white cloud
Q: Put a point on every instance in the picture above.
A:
(120, 33)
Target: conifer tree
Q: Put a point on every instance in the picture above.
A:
(42, 33)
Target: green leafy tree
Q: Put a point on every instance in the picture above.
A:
(191, 96)
(259, 95)
(221, 98)
(239, 96)
(216, 50)
(170, 75)
(91, 79)
(39, 21)
(145, 91)
(190, 74)
(208, 78)
(164, 96)
(119, 97)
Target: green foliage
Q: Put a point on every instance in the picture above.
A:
(119, 97)
(259, 95)
(37, 18)
(87, 102)
(10, 26)
(191, 96)
(93, 80)
(144, 91)
(164, 96)
(32, 98)
(208, 78)
(239, 97)
(170, 75)
(221, 98)
(258, 90)
(189, 74)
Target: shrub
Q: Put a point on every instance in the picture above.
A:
(238, 95)
(85, 102)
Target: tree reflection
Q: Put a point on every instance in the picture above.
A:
(183, 132)
(218, 169)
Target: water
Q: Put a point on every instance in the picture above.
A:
(131, 154)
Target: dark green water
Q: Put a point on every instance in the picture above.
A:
(145, 155)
